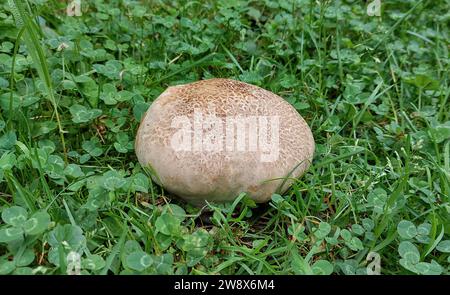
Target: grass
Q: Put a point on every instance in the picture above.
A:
(374, 91)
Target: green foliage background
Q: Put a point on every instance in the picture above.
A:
(374, 90)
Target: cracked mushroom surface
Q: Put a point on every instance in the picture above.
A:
(213, 139)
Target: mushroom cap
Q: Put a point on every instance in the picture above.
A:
(213, 139)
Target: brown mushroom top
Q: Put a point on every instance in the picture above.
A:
(220, 174)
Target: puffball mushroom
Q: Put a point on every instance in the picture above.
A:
(213, 139)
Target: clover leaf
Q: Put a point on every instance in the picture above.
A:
(168, 224)
(7, 162)
(19, 223)
(10, 234)
(140, 183)
(64, 238)
(323, 230)
(444, 246)
(406, 229)
(80, 114)
(110, 69)
(139, 260)
(123, 145)
(73, 170)
(92, 147)
(409, 251)
(93, 262)
(37, 223)
(196, 245)
(322, 267)
(14, 215)
(112, 180)
(163, 263)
